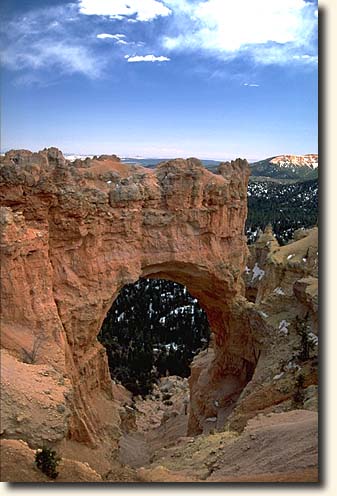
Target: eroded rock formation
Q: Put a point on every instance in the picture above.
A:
(72, 235)
(284, 321)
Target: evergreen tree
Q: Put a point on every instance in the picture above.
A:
(154, 328)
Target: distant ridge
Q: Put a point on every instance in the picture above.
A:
(280, 167)
(286, 167)
(299, 167)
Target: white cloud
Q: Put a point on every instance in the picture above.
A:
(277, 27)
(146, 58)
(251, 85)
(306, 58)
(118, 38)
(62, 40)
(41, 55)
(37, 41)
(143, 10)
(103, 36)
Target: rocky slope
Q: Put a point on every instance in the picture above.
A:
(278, 440)
(154, 447)
(273, 448)
(72, 236)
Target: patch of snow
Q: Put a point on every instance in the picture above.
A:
(168, 346)
(120, 317)
(72, 158)
(279, 291)
(263, 314)
(290, 256)
(283, 327)
(247, 270)
(292, 366)
(313, 338)
(109, 182)
(257, 272)
(178, 310)
(211, 419)
(278, 376)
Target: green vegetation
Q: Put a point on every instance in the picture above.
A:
(153, 329)
(46, 460)
(286, 207)
(306, 345)
(298, 396)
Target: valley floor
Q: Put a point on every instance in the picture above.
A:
(278, 447)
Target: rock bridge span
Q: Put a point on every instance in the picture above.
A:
(73, 234)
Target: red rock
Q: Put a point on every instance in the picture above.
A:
(73, 236)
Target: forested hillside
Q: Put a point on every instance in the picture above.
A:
(286, 207)
(154, 328)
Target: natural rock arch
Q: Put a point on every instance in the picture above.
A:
(75, 234)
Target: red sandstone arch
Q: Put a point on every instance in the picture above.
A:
(74, 235)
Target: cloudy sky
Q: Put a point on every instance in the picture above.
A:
(160, 78)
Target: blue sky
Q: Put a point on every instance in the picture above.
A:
(160, 78)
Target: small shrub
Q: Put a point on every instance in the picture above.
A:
(305, 346)
(166, 396)
(298, 396)
(46, 460)
(30, 356)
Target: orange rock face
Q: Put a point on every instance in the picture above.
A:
(72, 235)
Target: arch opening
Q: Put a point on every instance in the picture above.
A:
(220, 373)
(154, 328)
